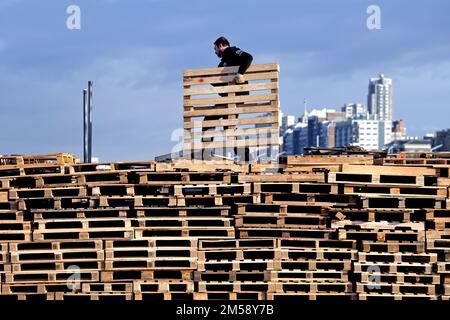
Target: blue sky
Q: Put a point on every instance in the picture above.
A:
(135, 52)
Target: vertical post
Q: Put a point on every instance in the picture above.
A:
(85, 126)
(89, 121)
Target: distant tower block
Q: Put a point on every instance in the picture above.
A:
(221, 117)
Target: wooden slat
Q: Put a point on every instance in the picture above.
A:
(233, 133)
(215, 71)
(235, 99)
(388, 170)
(227, 111)
(238, 105)
(231, 88)
(229, 78)
(231, 144)
(231, 122)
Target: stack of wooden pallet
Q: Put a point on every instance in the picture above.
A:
(327, 228)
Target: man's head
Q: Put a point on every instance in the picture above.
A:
(220, 45)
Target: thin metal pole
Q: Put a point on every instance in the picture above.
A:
(90, 121)
(85, 126)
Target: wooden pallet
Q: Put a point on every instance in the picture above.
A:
(57, 203)
(107, 287)
(294, 187)
(443, 267)
(382, 235)
(377, 215)
(134, 264)
(236, 265)
(263, 107)
(125, 275)
(161, 296)
(242, 254)
(393, 247)
(217, 211)
(100, 296)
(296, 221)
(65, 255)
(194, 232)
(438, 234)
(86, 265)
(438, 244)
(236, 286)
(215, 189)
(150, 252)
(136, 201)
(11, 216)
(15, 231)
(155, 243)
(411, 278)
(319, 254)
(309, 275)
(312, 287)
(327, 159)
(396, 288)
(170, 286)
(34, 288)
(54, 158)
(283, 233)
(62, 245)
(51, 276)
(395, 296)
(280, 209)
(183, 178)
(184, 222)
(403, 201)
(394, 189)
(228, 244)
(92, 234)
(397, 257)
(201, 166)
(33, 297)
(232, 276)
(283, 177)
(325, 200)
(300, 243)
(15, 194)
(229, 296)
(305, 265)
(416, 268)
(320, 296)
(81, 213)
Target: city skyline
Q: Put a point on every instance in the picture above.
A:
(135, 53)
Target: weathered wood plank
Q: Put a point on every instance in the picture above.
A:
(230, 122)
(215, 71)
(231, 88)
(229, 78)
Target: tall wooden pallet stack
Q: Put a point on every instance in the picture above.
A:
(249, 120)
(312, 227)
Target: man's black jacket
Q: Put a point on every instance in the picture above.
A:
(233, 56)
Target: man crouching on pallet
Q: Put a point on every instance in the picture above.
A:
(230, 57)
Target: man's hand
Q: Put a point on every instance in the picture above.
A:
(239, 78)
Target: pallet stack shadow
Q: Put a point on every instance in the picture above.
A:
(310, 227)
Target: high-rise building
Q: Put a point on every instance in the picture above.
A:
(369, 134)
(286, 122)
(379, 99)
(355, 110)
(399, 130)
